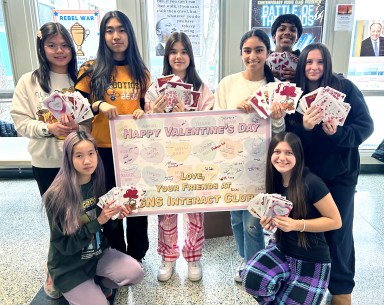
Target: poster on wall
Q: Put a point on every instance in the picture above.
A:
(191, 162)
(368, 38)
(366, 64)
(178, 16)
(344, 17)
(310, 12)
(83, 25)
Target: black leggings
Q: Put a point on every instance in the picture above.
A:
(137, 227)
(44, 177)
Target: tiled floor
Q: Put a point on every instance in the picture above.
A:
(24, 242)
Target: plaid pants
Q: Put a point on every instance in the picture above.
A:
(274, 278)
(168, 236)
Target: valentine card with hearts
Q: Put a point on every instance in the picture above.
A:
(127, 195)
(175, 95)
(195, 100)
(269, 205)
(288, 95)
(57, 105)
(258, 102)
(163, 80)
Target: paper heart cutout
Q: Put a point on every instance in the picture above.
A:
(232, 171)
(57, 104)
(129, 175)
(128, 153)
(279, 210)
(153, 153)
(153, 176)
(280, 60)
(274, 60)
(209, 171)
(204, 150)
(178, 151)
(230, 149)
(176, 172)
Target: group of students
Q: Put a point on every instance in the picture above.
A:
(88, 255)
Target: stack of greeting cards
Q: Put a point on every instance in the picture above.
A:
(72, 103)
(330, 101)
(281, 61)
(269, 205)
(126, 195)
(284, 93)
(174, 89)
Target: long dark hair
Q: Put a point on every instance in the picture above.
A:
(63, 198)
(41, 74)
(296, 189)
(265, 39)
(191, 74)
(102, 67)
(328, 79)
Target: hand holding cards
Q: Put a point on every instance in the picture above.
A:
(330, 101)
(281, 61)
(72, 103)
(284, 93)
(127, 195)
(174, 90)
(269, 205)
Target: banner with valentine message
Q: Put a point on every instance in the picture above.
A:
(191, 161)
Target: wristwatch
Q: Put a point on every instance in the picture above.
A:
(45, 130)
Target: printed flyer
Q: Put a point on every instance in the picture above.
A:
(192, 161)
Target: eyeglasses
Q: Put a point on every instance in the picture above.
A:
(55, 47)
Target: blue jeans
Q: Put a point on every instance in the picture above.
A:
(248, 234)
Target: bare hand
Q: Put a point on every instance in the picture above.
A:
(245, 106)
(266, 223)
(159, 104)
(107, 212)
(312, 116)
(277, 111)
(67, 120)
(109, 110)
(179, 107)
(288, 74)
(285, 224)
(59, 130)
(329, 128)
(138, 113)
(125, 211)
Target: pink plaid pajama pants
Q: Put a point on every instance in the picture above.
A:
(168, 236)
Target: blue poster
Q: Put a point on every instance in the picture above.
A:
(310, 12)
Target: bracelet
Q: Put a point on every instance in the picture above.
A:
(303, 229)
(98, 106)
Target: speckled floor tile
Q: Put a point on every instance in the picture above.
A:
(24, 239)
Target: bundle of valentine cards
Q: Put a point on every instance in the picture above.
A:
(269, 205)
(126, 195)
(72, 103)
(284, 93)
(174, 90)
(280, 61)
(330, 101)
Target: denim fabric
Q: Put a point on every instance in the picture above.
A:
(248, 234)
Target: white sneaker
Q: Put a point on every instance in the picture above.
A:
(165, 271)
(194, 271)
(239, 269)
